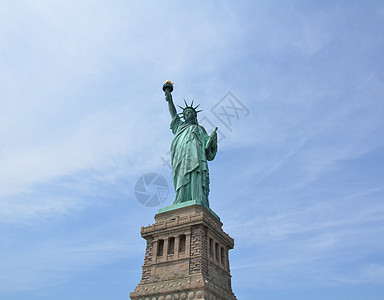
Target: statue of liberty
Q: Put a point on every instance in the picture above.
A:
(190, 149)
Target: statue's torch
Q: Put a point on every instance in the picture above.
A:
(167, 88)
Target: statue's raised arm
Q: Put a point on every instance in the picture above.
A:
(168, 88)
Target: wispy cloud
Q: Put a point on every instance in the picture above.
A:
(55, 261)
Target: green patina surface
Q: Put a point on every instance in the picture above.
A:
(184, 204)
(191, 148)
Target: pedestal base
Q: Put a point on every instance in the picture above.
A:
(186, 257)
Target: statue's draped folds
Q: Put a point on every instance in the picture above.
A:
(190, 150)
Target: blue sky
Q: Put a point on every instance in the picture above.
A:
(298, 180)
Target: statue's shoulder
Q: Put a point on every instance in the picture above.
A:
(202, 128)
(175, 123)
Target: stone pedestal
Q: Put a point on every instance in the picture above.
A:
(186, 257)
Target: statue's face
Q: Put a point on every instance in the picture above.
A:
(189, 115)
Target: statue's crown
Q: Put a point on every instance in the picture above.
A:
(190, 107)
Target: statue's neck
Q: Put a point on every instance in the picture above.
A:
(191, 122)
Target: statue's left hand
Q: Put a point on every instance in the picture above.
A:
(211, 145)
(214, 134)
(212, 138)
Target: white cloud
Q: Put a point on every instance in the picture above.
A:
(375, 273)
(54, 261)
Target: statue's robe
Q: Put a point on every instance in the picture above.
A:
(190, 152)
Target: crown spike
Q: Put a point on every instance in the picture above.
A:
(189, 107)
